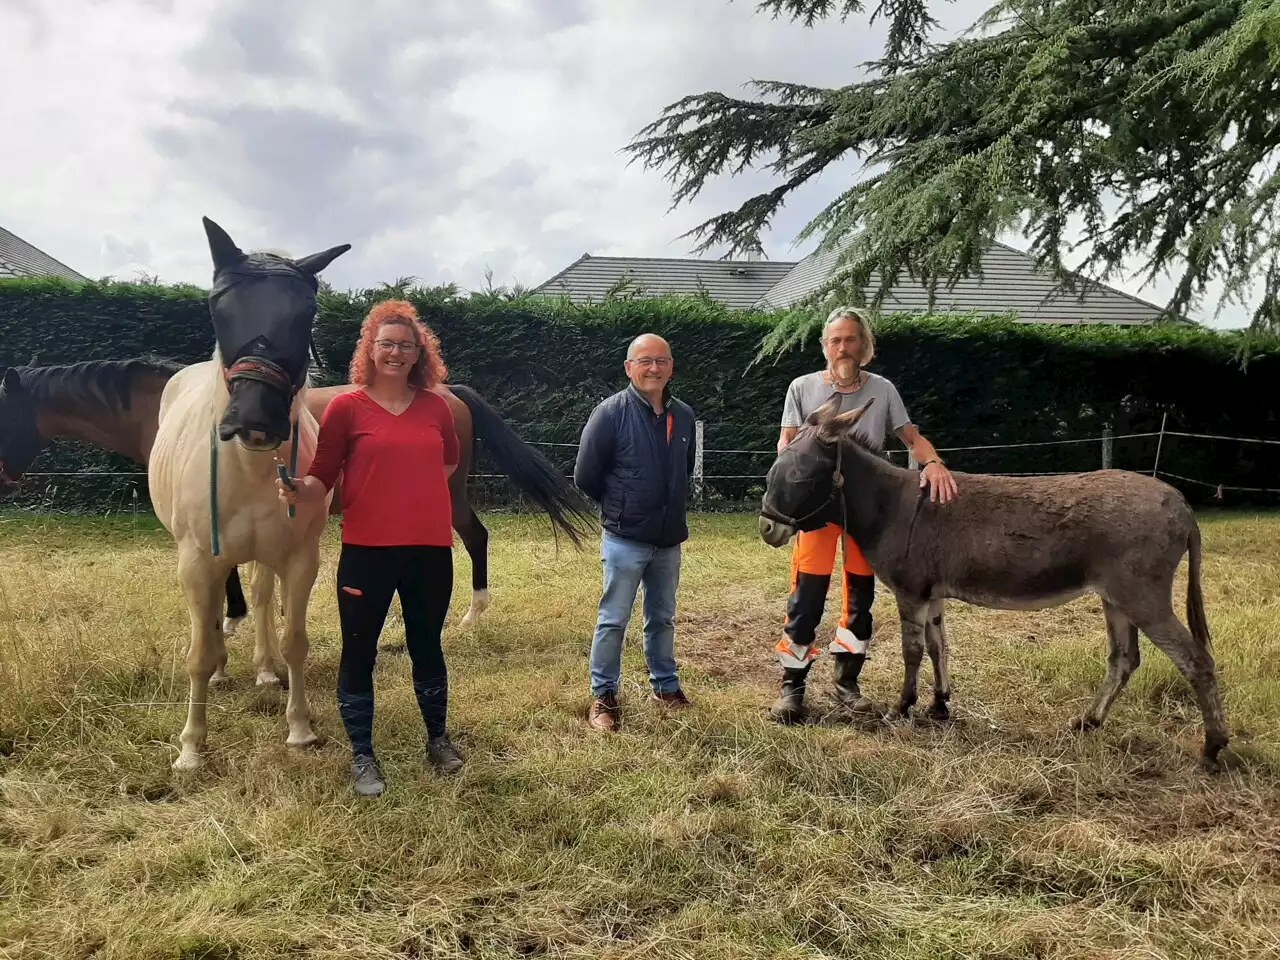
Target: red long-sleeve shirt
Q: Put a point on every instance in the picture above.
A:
(394, 489)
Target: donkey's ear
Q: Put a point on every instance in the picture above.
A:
(825, 413)
(12, 381)
(222, 248)
(315, 262)
(845, 422)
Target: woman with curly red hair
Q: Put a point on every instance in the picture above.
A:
(394, 443)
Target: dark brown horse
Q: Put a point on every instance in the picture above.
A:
(1012, 543)
(114, 404)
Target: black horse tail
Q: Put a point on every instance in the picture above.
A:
(531, 472)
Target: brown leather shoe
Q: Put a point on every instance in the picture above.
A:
(675, 699)
(604, 713)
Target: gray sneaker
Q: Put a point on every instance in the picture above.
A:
(366, 777)
(442, 755)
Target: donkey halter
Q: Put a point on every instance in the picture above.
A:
(837, 485)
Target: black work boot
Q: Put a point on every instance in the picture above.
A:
(845, 670)
(789, 707)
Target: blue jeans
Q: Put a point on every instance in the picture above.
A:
(627, 565)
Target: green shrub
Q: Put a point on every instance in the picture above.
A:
(544, 363)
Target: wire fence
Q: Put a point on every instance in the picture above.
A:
(736, 479)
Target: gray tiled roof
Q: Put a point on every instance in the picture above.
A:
(737, 283)
(1011, 282)
(20, 259)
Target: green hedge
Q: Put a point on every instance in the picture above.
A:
(544, 363)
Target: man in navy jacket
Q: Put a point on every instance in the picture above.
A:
(635, 459)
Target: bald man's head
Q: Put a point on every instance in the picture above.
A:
(651, 344)
(649, 365)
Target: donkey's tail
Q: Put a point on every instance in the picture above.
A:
(1196, 619)
(531, 472)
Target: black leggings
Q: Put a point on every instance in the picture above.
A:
(368, 577)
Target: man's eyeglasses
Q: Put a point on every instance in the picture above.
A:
(386, 346)
(660, 362)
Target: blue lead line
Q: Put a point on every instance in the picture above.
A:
(213, 489)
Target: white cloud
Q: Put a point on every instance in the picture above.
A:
(439, 139)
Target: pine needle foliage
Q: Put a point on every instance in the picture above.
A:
(1151, 126)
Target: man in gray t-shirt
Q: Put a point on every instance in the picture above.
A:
(889, 415)
(848, 344)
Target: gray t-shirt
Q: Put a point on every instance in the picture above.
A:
(887, 416)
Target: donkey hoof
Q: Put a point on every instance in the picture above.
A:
(301, 741)
(1211, 759)
(268, 678)
(187, 761)
(939, 711)
(1084, 724)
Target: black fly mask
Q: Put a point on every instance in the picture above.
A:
(263, 307)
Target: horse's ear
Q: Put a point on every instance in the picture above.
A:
(12, 381)
(315, 262)
(824, 413)
(222, 248)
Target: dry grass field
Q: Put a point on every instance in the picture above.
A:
(711, 834)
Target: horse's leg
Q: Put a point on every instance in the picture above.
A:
(1123, 657)
(297, 579)
(935, 639)
(471, 531)
(204, 589)
(236, 609)
(914, 616)
(262, 586)
(475, 537)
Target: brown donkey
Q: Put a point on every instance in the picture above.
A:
(1012, 543)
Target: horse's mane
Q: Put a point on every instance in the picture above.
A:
(106, 384)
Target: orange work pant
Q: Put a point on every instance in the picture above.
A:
(813, 561)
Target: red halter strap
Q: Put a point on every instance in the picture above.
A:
(264, 371)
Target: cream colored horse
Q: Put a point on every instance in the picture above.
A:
(241, 414)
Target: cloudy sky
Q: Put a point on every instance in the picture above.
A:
(438, 137)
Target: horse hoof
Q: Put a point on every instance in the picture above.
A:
(229, 625)
(939, 712)
(302, 741)
(187, 760)
(218, 678)
(267, 678)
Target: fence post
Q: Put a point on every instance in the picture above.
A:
(697, 461)
(1159, 444)
(1107, 434)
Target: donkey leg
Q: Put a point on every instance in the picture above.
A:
(265, 649)
(475, 537)
(204, 591)
(1123, 657)
(935, 638)
(1195, 662)
(296, 582)
(914, 616)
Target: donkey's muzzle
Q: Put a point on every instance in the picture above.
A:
(775, 533)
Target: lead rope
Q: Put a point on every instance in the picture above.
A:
(213, 489)
(287, 479)
(214, 544)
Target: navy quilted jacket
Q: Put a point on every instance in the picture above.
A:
(627, 466)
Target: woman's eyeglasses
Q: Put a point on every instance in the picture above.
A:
(386, 346)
